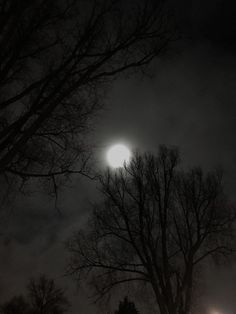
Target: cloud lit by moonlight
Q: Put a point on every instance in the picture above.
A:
(118, 155)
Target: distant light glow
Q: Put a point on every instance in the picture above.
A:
(213, 311)
(118, 155)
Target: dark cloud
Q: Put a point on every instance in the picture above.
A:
(211, 20)
(190, 103)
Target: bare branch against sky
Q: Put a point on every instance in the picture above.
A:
(57, 58)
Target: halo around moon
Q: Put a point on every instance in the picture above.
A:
(118, 155)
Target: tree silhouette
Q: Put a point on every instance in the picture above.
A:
(126, 307)
(17, 305)
(57, 59)
(156, 225)
(45, 297)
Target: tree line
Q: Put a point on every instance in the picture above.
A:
(44, 297)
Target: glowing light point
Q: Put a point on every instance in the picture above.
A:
(118, 155)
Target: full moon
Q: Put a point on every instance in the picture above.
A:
(118, 155)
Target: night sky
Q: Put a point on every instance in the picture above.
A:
(188, 100)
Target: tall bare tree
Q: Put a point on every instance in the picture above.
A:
(156, 225)
(56, 59)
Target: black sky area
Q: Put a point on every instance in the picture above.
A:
(187, 101)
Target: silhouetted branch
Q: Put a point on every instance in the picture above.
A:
(56, 63)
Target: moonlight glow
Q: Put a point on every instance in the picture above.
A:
(117, 155)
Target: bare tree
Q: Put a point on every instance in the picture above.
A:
(57, 57)
(156, 225)
(45, 297)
